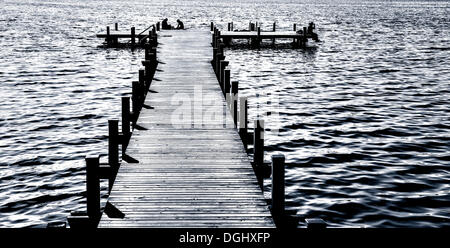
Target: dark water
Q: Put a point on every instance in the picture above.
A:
(363, 117)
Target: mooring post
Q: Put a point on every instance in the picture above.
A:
(278, 194)
(147, 70)
(157, 26)
(142, 85)
(153, 53)
(213, 61)
(108, 36)
(294, 29)
(229, 26)
(274, 29)
(304, 39)
(221, 47)
(135, 99)
(133, 34)
(113, 143)
(125, 122)
(235, 96)
(258, 142)
(258, 151)
(218, 42)
(226, 83)
(116, 26)
(147, 53)
(153, 61)
(258, 41)
(93, 187)
(223, 65)
(150, 34)
(243, 120)
(155, 40)
(212, 26)
(219, 57)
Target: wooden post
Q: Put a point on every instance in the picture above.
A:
(157, 26)
(147, 70)
(116, 26)
(221, 47)
(135, 99)
(229, 26)
(219, 57)
(113, 143)
(232, 26)
(243, 120)
(258, 40)
(213, 61)
(295, 29)
(223, 65)
(153, 53)
(219, 41)
(150, 34)
(147, 53)
(93, 187)
(304, 39)
(125, 122)
(142, 86)
(226, 83)
(235, 96)
(133, 34)
(278, 194)
(258, 142)
(274, 29)
(108, 38)
(212, 26)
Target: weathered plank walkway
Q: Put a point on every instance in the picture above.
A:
(192, 171)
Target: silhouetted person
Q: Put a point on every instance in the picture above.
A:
(164, 24)
(311, 27)
(180, 24)
(310, 31)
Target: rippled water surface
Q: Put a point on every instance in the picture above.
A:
(363, 116)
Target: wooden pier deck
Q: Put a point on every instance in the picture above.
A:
(191, 171)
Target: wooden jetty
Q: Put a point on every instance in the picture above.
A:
(112, 37)
(256, 34)
(192, 172)
(184, 158)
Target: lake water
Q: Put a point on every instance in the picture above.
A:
(363, 116)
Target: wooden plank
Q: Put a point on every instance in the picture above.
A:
(193, 172)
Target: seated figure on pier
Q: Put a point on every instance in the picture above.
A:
(165, 25)
(180, 24)
(310, 31)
